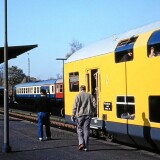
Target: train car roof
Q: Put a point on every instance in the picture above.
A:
(14, 51)
(25, 84)
(37, 83)
(59, 80)
(109, 44)
(46, 82)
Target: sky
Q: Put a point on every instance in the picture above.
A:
(54, 24)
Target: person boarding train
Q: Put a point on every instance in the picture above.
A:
(83, 109)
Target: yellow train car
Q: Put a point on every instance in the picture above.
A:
(122, 72)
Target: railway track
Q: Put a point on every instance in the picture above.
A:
(32, 117)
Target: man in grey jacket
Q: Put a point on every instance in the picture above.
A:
(84, 108)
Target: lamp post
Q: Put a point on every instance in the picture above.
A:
(6, 147)
(62, 59)
(28, 68)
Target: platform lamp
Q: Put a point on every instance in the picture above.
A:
(62, 59)
(28, 68)
(6, 147)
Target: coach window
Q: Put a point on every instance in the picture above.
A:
(153, 45)
(38, 89)
(74, 82)
(61, 88)
(52, 89)
(125, 106)
(124, 50)
(34, 89)
(154, 108)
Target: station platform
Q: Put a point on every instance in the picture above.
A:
(25, 145)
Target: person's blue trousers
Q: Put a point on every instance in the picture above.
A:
(43, 119)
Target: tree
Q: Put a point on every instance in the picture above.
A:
(15, 76)
(75, 46)
(58, 76)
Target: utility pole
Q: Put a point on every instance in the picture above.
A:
(28, 68)
(6, 147)
(63, 59)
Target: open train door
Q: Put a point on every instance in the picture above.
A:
(93, 87)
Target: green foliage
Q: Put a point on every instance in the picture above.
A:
(15, 75)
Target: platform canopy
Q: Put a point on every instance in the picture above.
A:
(14, 51)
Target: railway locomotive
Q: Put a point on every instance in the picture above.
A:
(27, 93)
(126, 86)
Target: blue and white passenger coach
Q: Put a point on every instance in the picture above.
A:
(27, 93)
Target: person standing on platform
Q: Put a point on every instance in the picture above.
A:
(83, 109)
(42, 106)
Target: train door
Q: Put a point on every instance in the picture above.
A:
(92, 84)
(93, 87)
(124, 55)
(125, 100)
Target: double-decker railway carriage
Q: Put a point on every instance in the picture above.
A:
(122, 72)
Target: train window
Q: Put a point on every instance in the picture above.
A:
(154, 108)
(61, 88)
(34, 89)
(125, 106)
(52, 89)
(153, 45)
(124, 50)
(120, 99)
(74, 82)
(38, 89)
